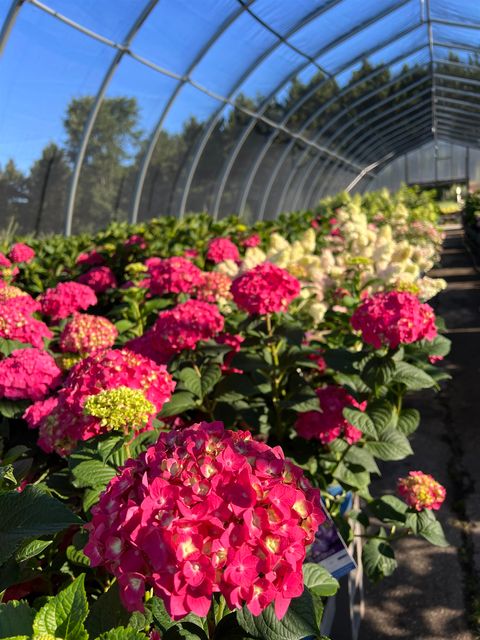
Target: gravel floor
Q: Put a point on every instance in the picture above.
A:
(426, 598)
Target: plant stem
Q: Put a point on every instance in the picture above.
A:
(275, 379)
(211, 622)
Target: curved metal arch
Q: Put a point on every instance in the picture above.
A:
(92, 116)
(472, 123)
(474, 128)
(388, 124)
(460, 131)
(333, 187)
(465, 80)
(313, 196)
(142, 172)
(283, 157)
(401, 130)
(360, 115)
(413, 142)
(245, 191)
(373, 148)
(9, 21)
(327, 172)
(460, 139)
(385, 124)
(452, 63)
(355, 131)
(218, 113)
(461, 103)
(251, 176)
(228, 166)
(460, 92)
(448, 109)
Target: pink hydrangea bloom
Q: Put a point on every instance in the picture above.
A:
(4, 261)
(190, 253)
(17, 297)
(21, 253)
(421, 491)
(319, 360)
(220, 249)
(67, 423)
(99, 279)
(205, 511)
(265, 289)
(28, 374)
(16, 323)
(86, 334)
(235, 342)
(394, 318)
(173, 275)
(91, 259)
(38, 411)
(215, 286)
(252, 241)
(182, 327)
(328, 423)
(66, 298)
(136, 240)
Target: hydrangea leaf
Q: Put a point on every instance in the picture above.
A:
(298, 622)
(392, 445)
(408, 421)
(360, 420)
(29, 514)
(63, 615)
(412, 377)
(16, 619)
(318, 580)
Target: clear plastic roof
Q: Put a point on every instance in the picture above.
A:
(129, 109)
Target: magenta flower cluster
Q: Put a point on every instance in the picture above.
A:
(328, 423)
(66, 298)
(265, 289)
(62, 422)
(28, 374)
(394, 318)
(205, 511)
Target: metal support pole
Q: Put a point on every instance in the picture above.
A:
(273, 176)
(354, 133)
(9, 22)
(147, 157)
(92, 116)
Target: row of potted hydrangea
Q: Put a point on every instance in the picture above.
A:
(177, 424)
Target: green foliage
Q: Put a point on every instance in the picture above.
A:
(29, 514)
(297, 623)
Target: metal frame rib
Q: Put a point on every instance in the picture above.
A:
(92, 116)
(351, 123)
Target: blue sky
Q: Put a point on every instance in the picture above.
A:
(46, 63)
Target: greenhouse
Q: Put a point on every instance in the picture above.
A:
(239, 319)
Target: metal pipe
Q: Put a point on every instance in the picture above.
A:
(259, 159)
(92, 116)
(8, 23)
(368, 124)
(371, 149)
(420, 122)
(147, 157)
(374, 107)
(216, 117)
(413, 142)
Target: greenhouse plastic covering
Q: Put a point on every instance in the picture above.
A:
(130, 109)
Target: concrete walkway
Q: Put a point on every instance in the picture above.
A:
(432, 594)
